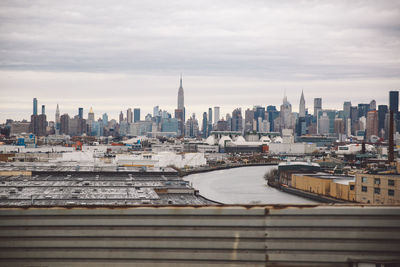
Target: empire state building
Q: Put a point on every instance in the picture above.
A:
(181, 100)
(180, 111)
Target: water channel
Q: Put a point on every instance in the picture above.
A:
(244, 185)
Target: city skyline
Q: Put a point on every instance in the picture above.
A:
(309, 105)
(232, 54)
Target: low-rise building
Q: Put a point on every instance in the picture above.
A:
(336, 186)
(378, 188)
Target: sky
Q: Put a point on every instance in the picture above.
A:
(115, 55)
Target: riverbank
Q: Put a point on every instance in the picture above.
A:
(183, 173)
(304, 194)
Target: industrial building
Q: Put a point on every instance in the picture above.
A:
(378, 188)
(336, 186)
(68, 188)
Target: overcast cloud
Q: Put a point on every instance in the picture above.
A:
(113, 55)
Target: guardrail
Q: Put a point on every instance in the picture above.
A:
(288, 235)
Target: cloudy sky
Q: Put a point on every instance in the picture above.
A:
(113, 55)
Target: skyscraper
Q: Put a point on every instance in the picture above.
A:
(317, 106)
(64, 124)
(35, 106)
(372, 124)
(204, 128)
(121, 117)
(80, 113)
(216, 114)
(394, 101)
(181, 98)
(57, 120)
(105, 119)
(382, 111)
(273, 114)
(249, 120)
(129, 115)
(156, 111)
(42, 122)
(237, 120)
(346, 109)
(363, 110)
(286, 114)
(179, 117)
(259, 116)
(372, 105)
(136, 114)
(210, 117)
(302, 106)
(91, 115)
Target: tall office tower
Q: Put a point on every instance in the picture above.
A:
(35, 106)
(317, 106)
(91, 115)
(248, 120)
(286, 114)
(372, 124)
(259, 116)
(64, 124)
(181, 98)
(42, 122)
(129, 115)
(179, 117)
(339, 126)
(346, 109)
(204, 128)
(346, 116)
(57, 119)
(156, 111)
(273, 114)
(216, 114)
(34, 124)
(229, 121)
(237, 120)
(372, 105)
(209, 122)
(382, 111)
(354, 119)
(121, 117)
(363, 110)
(192, 127)
(80, 113)
(105, 119)
(394, 102)
(324, 123)
(302, 106)
(136, 114)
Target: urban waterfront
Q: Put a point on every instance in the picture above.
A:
(244, 185)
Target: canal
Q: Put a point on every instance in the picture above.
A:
(244, 185)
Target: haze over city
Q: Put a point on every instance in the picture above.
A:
(232, 54)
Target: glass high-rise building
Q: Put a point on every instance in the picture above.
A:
(317, 106)
(382, 111)
(34, 106)
(394, 101)
(136, 114)
(80, 113)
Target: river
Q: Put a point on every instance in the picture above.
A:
(244, 185)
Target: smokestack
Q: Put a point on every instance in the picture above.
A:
(391, 141)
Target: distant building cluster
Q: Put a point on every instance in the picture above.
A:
(364, 121)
